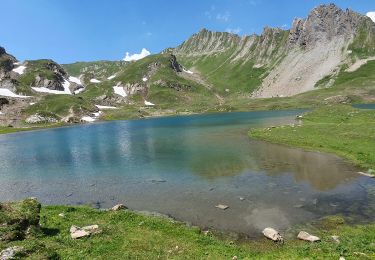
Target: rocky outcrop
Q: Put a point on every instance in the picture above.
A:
(323, 24)
(19, 219)
(6, 64)
(38, 118)
(48, 74)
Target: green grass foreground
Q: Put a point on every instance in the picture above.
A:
(339, 129)
(128, 235)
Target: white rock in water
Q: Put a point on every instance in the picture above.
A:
(10, 252)
(307, 237)
(119, 207)
(221, 206)
(272, 234)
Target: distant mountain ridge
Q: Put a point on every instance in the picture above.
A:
(293, 60)
(210, 71)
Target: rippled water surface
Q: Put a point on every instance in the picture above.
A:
(184, 166)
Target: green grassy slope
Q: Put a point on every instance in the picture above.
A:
(340, 129)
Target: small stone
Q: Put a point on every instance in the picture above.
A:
(272, 234)
(118, 207)
(315, 201)
(242, 198)
(336, 239)
(234, 257)
(222, 206)
(307, 237)
(79, 234)
(93, 229)
(73, 229)
(62, 215)
(342, 258)
(10, 252)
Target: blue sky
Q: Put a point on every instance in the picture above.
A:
(85, 30)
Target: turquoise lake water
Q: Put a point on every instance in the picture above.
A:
(184, 166)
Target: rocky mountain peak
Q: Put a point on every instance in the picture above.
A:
(2, 50)
(323, 24)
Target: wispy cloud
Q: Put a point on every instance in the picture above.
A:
(234, 30)
(136, 56)
(210, 12)
(223, 16)
(371, 15)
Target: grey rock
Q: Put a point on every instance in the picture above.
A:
(272, 234)
(302, 235)
(10, 252)
(37, 118)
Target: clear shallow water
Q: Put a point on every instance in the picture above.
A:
(183, 167)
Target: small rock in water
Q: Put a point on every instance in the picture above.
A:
(242, 198)
(157, 180)
(118, 207)
(307, 237)
(10, 252)
(336, 239)
(222, 206)
(272, 234)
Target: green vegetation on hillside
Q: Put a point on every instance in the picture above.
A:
(129, 235)
(340, 129)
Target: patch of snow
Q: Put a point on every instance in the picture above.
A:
(144, 79)
(7, 93)
(20, 70)
(188, 71)
(94, 81)
(149, 103)
(137, 56)
(105, 107)
(371, 15)
(66, 86)
(111, 77)
(75, 80)
(66, 90)
(119, 91)
(97, 114)
(88, 119)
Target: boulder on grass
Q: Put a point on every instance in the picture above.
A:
(272, 234)
(307, 237)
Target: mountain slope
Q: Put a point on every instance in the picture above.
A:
(281, 62)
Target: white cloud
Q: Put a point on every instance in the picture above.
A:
(223, 17)
(136, 56)
(371, 15)
(234, 30)
(209, 12)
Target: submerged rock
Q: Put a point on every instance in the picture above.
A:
(272, 234)
(307, 237)
(222, 206)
